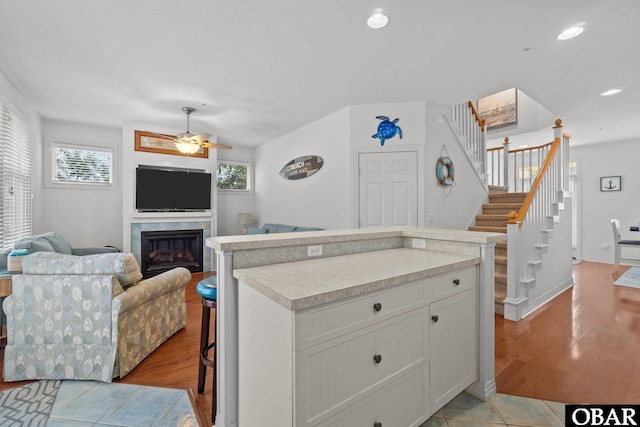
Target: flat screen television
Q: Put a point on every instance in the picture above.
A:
(172, 190)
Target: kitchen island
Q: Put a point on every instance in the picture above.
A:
(293, 330)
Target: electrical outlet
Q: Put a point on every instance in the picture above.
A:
(315, 250)
(419, 243)
(430, 217)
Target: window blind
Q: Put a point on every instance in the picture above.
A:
(16, 142)
(81, 165)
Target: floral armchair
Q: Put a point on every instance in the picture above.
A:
(88, 317)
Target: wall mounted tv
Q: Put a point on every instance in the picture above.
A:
(166, 190)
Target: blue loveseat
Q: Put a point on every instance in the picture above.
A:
(51, 242)
(269, 228)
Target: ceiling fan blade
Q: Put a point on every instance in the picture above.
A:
(219, 146)
(203, 137)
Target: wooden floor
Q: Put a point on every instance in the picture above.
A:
(582, 347)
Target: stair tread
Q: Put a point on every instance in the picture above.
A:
(491, 229)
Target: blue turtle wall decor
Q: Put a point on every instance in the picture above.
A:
(387, 129)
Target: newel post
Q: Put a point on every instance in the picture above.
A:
(515, 298)
(564, 154)
(505, 166)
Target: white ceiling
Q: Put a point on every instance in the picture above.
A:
(257, 69)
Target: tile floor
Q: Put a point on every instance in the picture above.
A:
(501, 410)
(88, 403)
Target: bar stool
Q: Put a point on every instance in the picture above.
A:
(208, 291)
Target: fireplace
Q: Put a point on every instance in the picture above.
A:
(163, 250)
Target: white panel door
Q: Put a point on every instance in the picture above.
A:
(388, 189)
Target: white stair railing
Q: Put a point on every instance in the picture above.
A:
(472, 129)
(516, 169)
(529, 230)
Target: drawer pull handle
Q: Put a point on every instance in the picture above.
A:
(456, 282)
(377, 358)
(377, 306)
(434, 318)
(377, 424)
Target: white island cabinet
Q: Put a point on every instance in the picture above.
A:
(381, 330)
(353, 356)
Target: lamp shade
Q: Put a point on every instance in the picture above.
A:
(244, 218)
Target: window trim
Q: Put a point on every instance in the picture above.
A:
(249, 166)
(51, 144)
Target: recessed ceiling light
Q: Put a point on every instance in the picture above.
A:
(570, 33)
(377, 19)
(611, 92)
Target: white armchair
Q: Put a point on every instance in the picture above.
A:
(85, 317)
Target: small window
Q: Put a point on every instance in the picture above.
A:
(81, 165)
(234, 176)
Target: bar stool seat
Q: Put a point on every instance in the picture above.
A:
(208, 291)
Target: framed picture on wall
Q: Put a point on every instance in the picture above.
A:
(499, 109)
(163, 144)
(610, 183)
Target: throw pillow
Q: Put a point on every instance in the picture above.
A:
(58, 242)
(34, 244)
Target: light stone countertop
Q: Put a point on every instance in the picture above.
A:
(256, 241)
(303, 284)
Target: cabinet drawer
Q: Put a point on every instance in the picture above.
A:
(447, 284)
(333, 375)
(404, 403)
(318, 324)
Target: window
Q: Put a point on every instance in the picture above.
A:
(16, 141)
(234, 176)
(81, 165)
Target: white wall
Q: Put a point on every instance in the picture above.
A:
(85, 216)
(321, 200)
(555, 274)
(454, 207)
(328, 199)
(598, 208)
(231, 203)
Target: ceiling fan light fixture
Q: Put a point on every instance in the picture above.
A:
(186, 147)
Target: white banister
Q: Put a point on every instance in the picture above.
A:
(472, 129)
(529, 230)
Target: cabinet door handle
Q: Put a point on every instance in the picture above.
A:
(434, 318)
(377, 306)
(377, 424)
(377, 358)
(456, 282)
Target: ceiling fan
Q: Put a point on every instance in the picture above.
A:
(189, 143)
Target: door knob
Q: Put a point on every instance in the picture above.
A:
(456, 282)
(377, 358)
(434, 318)
(377, 306)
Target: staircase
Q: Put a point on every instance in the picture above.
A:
(494, 219)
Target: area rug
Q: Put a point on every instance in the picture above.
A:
(28, 405)
(630, 278)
